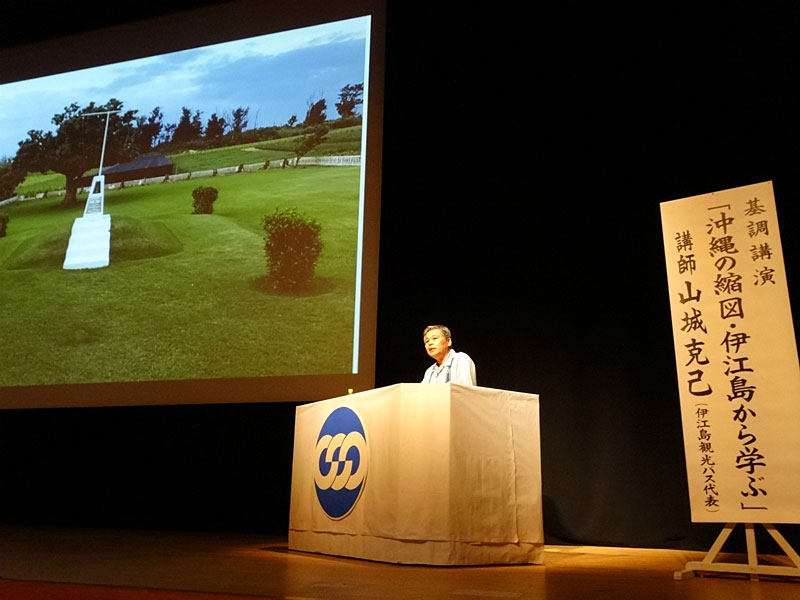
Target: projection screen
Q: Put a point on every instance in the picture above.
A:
(266, 292)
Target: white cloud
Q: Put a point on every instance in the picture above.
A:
(148, 82)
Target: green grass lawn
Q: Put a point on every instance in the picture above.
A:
(232, 156)
(181, 296)
(41, 182)
(346, 141)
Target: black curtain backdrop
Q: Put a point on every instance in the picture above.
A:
(525, 157)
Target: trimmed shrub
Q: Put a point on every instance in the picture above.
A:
(3, 224)
(204, 198)
(292, 245)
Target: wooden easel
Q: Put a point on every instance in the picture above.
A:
(752, 568)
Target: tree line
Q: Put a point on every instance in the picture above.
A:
(74, 146)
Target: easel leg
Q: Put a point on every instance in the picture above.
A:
(723, 536)
(710, 556)
(752, 569)
(752, 553)
(790, 552)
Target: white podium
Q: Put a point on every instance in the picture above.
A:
(439, 474)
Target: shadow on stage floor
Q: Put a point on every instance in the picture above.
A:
(127, 565)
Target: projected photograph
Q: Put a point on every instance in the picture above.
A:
(229, 179)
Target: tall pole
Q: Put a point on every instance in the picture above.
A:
(107, 113)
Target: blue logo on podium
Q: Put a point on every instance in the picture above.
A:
(342, 458)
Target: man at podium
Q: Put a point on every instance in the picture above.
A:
(450, 366)
(438, 474)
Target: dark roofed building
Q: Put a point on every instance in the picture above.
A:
(146, 165)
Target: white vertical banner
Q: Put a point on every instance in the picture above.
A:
(736, 356)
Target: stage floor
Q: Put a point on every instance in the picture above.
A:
(263, 567)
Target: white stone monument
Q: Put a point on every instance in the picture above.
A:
(90, 241)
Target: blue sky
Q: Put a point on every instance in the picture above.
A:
(274, 75)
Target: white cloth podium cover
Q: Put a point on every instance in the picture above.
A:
(438, 474)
